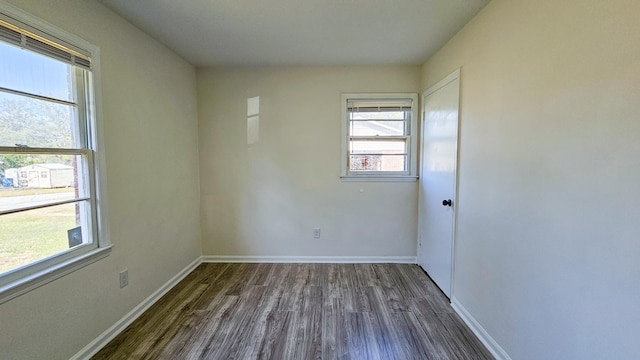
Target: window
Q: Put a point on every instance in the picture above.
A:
(378, 136)
(50, 222)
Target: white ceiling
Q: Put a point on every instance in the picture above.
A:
(300, 32)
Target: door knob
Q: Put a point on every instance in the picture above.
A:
(446, 202)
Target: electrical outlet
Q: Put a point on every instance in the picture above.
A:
(316, 233)
(124, 278)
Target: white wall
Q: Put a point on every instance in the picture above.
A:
(265, 200)
(548, 245)
(150, 130)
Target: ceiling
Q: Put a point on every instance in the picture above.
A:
(300, 32)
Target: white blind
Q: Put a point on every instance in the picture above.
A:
(376, 105)
(14, 32)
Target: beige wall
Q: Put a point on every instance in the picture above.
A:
(150, 130)
(547, 252)
(547, 249)
(265, 200)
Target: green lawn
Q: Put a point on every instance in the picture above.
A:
(7, 192)
(33, 235)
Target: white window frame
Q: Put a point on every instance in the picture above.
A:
(412, 138)
(22, 280)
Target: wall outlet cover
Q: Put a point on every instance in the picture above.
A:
(124, 278)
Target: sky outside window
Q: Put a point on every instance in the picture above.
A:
(25, 71)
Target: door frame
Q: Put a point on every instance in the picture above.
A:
(455, 75)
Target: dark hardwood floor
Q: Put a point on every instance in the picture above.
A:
(299, 311)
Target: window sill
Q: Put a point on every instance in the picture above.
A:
(374, 178)
(26, 284)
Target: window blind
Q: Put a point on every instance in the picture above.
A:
(378, 105)
(15, 33)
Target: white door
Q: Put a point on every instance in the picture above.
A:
(438, 169)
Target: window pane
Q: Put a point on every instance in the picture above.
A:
(35, 74)
(29, 180)
(378, 146)
(29, 236)
(378, 163)
(379, 115)
(37, 123)
(377, 128)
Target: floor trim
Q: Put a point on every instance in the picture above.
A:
(496, 350)
(309, 259)
(103, 339)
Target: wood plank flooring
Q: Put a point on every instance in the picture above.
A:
(299, 311)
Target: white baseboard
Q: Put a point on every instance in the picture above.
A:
(496, 350)
(103, 339)
(309, 259)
